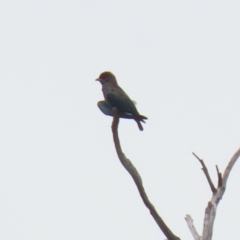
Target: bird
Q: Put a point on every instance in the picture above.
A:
(117, 98)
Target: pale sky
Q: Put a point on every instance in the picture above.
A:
(60, 177)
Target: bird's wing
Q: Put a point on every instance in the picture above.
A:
(116, 97)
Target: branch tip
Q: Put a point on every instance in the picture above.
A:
(205, 170)
(219, 174)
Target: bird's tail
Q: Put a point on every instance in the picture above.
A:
(139, 125)
(139, 119)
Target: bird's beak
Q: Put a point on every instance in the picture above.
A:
(98, 79)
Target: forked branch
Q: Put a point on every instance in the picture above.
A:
(217, 194)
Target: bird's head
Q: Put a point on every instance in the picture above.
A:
(107, 77)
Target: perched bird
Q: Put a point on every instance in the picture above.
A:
(117, 98)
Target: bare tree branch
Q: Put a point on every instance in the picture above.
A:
(230, 166)
(219, 174)
(138, 181)
(211, 209)
(192, 228)
(205, 170)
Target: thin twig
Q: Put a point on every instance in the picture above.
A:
(205, 170)
(230, 166)
(138, 181)
(219, 174)
(192, 228)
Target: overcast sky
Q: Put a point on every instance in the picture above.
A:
(60, 177)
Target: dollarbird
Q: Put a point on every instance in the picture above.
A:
(115, 97)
